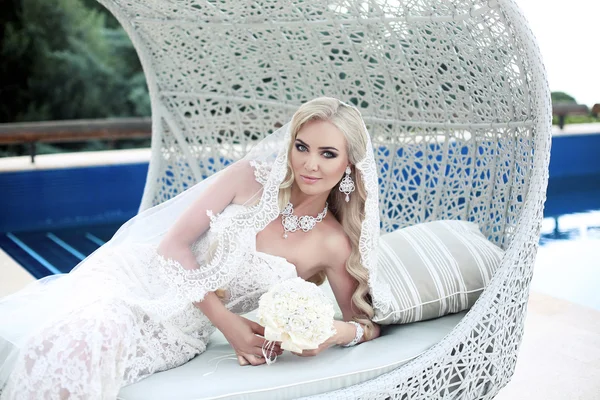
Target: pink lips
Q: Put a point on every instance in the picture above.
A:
(309, 179)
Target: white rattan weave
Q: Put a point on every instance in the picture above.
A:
(455, 97)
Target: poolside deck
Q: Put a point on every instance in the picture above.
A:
(559, 357)
(576, 129)
(74, 160)
(14, 277)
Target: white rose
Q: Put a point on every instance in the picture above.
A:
(296, 313)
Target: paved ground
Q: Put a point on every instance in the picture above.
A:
(12, 276)
(576, 129)
(559, 357)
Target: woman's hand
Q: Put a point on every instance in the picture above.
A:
(242, 334)
(345, 333)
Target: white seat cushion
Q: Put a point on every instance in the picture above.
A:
(291, 376)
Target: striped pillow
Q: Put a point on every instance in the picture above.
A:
(435, 268)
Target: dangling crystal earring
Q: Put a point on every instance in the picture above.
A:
(347, 184)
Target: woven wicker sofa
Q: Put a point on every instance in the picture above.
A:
(455, 97)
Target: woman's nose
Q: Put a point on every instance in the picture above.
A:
(311, 164)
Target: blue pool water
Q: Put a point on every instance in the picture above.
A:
(50, 220)
(85, 196)
(53, 251)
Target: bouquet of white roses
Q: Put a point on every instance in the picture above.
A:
(297, 314)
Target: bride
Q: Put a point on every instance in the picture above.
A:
(302, 203)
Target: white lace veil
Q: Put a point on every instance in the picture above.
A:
(29, 309)
(269, 157)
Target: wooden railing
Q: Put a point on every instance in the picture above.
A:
(131, 128)
(74, 131)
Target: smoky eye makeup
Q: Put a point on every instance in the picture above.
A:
(327, 152)
(301, 143)
(300, 147)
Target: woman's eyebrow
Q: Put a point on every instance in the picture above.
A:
(328, 148)
(320, 148)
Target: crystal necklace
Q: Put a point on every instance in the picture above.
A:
(291, 222)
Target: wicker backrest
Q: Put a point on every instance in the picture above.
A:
(455, 97)
(445, 87)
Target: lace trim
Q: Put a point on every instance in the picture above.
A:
(369, 237)
(234, 232)
(262, 170)
(192, 285)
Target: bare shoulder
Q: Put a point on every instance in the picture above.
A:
(241, 175)
(336, 244)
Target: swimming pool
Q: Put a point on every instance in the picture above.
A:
(57, 250)
(52, 219)
(53, 251)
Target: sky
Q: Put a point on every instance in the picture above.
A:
(568, 33)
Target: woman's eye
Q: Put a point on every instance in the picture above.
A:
(301, 147)
(329, 154)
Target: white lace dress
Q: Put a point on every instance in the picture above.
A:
(120, 325)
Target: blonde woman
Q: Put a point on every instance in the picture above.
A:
(302, 203)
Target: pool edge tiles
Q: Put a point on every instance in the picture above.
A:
(75, 160)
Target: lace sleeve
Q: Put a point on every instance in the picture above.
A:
(216, 265)
(190, 285)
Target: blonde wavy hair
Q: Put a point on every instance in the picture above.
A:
(350, 215)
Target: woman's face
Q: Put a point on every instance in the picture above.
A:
(319, 157)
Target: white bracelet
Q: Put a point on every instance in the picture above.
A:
(359, 334)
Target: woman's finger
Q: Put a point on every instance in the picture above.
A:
(269, 346)
(257, 328)
(259, 341)
(242, 361)
(306, 353)
(264, 344)
(270, 353)
(254, 359)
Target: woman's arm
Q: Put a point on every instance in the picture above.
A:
(235, 185)
(343, 286)
(240, 332)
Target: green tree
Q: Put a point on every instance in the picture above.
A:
(62, 60)
(562, 97)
